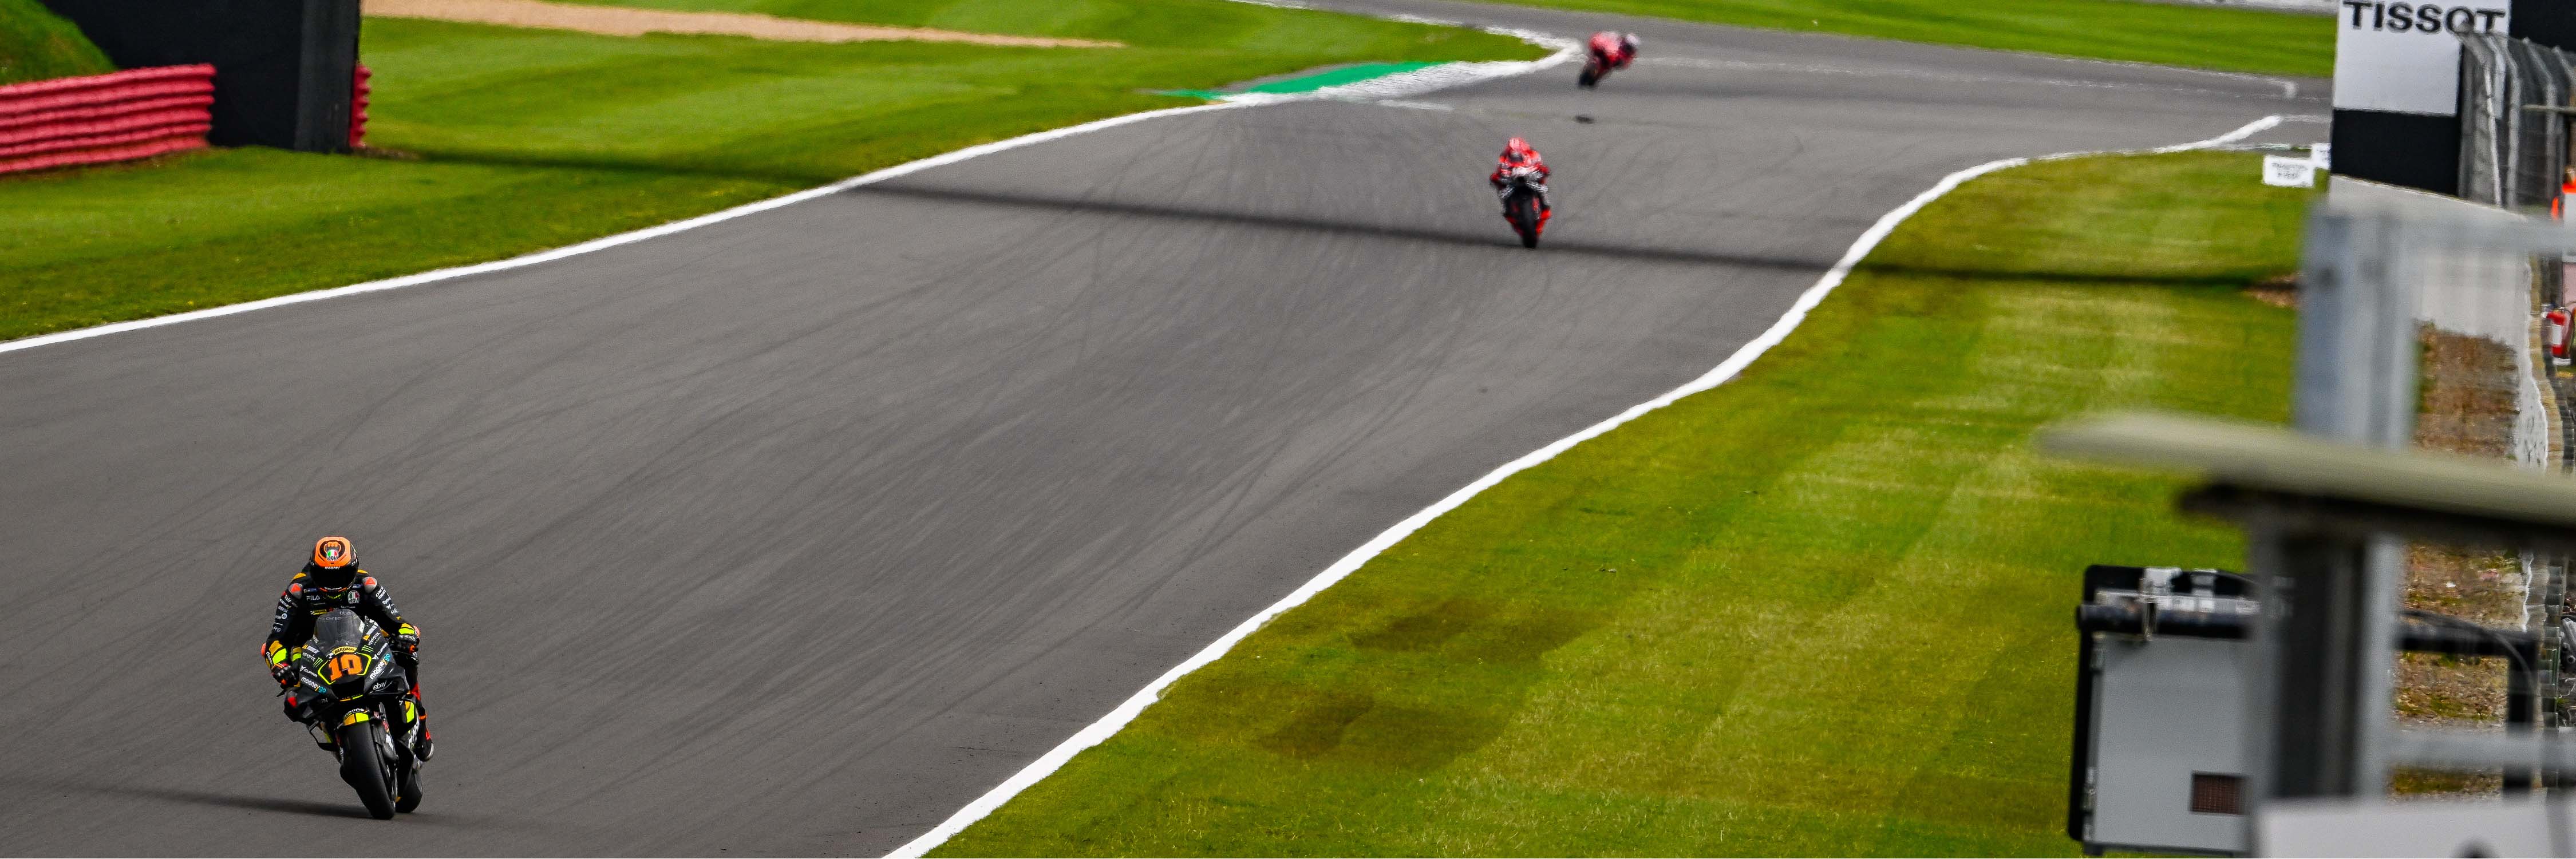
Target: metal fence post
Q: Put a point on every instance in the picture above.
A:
(2324, 648)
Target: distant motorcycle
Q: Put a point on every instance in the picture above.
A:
(1608, 52)
(352, 690)
(1593, 71)
(1521, 192)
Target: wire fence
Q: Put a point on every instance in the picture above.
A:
(2513, 128)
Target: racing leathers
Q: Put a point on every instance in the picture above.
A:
(1612, 50)
(305, 599)
(1516, 156)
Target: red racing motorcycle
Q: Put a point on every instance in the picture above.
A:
(1521, 192)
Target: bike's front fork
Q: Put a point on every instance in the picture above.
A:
(408, 733)
(1544, 210)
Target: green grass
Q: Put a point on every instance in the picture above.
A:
(2242, 40)
(530, 139)
(1820, 610)
(36, 44)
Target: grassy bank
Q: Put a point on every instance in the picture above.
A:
(2241, 40)
(529, 139)
(1820, 610)
(36, 44)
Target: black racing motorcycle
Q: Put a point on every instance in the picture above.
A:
(1521, 193)
(359, 708)
(1593, 71)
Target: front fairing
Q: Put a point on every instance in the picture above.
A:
(347, 661)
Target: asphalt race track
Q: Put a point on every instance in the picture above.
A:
(794, 533)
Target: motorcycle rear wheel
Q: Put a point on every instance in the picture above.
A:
(1587, 78)
(362, 766)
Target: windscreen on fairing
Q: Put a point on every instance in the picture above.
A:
(341, 628)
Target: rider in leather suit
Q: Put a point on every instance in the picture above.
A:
(332, 580)
(1518, 153)
(1613, 50)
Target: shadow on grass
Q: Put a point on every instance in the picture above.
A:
(620, 165)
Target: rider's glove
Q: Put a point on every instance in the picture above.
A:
(408, 638)
(281, 663)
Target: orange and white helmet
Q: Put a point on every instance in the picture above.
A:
(334, 552)
(335, 563)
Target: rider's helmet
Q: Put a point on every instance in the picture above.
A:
(335, 563)
(1629, 42)
(1518, 151)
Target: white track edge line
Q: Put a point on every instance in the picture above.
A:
(1100, 731)
(606, 242)
(1417, 81)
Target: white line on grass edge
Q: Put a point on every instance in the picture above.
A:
(1099, 731)
(1415, 82)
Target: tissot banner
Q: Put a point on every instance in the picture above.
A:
(2405, 57)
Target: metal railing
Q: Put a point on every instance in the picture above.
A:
(2378, 287)
(2331, 511)
(2515, 109)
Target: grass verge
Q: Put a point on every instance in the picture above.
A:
(36, 44)
(529, 139)
(1819, 610)
(2243, 40)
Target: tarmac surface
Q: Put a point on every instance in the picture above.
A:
(794, 533)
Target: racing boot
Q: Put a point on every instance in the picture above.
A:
(422, 745)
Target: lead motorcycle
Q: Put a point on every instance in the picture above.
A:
(1593, 71)
(359, 708)
(1597, 64)
(1521, 192)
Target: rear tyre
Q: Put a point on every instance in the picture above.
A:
(1586, 78)
(362, 765)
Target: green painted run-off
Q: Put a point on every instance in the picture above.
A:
(1310, 83)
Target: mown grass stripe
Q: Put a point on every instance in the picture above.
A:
(1817, 610)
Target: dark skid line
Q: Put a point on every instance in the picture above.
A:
(1504, 241)
(1500, 239)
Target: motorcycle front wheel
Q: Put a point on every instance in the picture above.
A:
(362, 765)
(1525, 222)
(409, 799)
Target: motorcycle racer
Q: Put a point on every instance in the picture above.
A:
(333, 580)
(1613, 50)
(1516, 154)
(1606, 52)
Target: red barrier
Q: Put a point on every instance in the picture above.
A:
(358, 108)
(96, 119)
